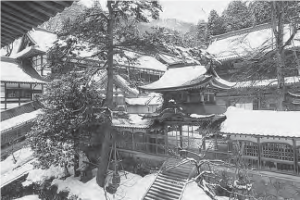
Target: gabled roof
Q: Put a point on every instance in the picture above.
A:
(240, 43)
(41, 39)
(188, 77)
(18, 17)
(143, 62)
(12, 71)
(262, 122)
(119, 81)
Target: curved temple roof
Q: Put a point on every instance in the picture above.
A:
(188, 77)
(18, 17)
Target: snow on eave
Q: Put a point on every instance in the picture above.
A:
(267, 82)
(262, 122)
(19, 120)
(13, 72)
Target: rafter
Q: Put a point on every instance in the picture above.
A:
(20, 15)
(5, 38)
(40, 9)
(65, 3)
(7, 32)
(15, 24)
(16, 19)
(49, 5)
(11, 28)
(28, 11)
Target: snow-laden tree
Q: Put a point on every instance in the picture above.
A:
(105, 31)
(71, 108)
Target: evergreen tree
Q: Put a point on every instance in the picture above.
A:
(237, 16)
(71, 108)
(108, 31)
(215, 24)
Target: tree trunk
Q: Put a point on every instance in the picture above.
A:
(76, 157)
(278, 25)
(101, 173)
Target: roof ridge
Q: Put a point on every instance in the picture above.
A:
(241, 31)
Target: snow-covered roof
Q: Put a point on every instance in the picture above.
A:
(239, 44)
(13, 72)
(267, 83)
(262, 122)
(119, 81)
(141, 62)
(131, 121)
(147, 100)
(19, 120)
(42, 40)
(184, 77)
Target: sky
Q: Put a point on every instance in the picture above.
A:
(184, 10)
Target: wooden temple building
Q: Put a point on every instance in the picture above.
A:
(189, 107)
(236, 49)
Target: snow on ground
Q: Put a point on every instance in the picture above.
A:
(22, 156)
(131, 188)
(40, 175)
(193, 192)
(29, 197)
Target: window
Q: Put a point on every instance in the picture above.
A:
(278, 151)
(250, 149)
(38, 63)
(18, 93)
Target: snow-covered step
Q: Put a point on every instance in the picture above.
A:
(170, 182)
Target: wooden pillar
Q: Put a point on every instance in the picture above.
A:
(147, 140)
(133, 143)
(259, 153)
(165, 129)
(5, 96)
(180, 136)
(295, 156)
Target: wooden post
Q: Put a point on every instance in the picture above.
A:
(166, 137)
(295, 156)
(133, 143)
(180, 136)
(259, 153)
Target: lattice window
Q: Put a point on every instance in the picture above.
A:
(278, 151)
(251, 149)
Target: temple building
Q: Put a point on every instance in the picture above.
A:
(189, 107)
(236, 49)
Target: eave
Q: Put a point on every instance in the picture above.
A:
(18, 17)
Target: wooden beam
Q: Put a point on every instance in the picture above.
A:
(16, 19)
(64, 3)
(13, 28)
(25, 8)
(50, 5)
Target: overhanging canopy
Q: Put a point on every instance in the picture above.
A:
(18, 17)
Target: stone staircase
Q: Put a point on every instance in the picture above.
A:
(170, 181)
